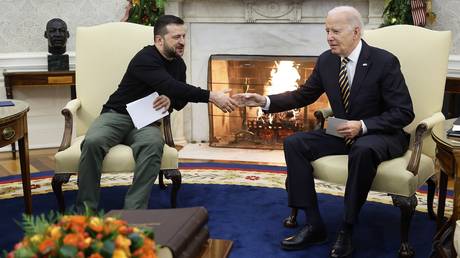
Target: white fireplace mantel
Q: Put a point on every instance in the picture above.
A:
(252, 27)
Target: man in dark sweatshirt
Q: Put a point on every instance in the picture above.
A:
(156, 68)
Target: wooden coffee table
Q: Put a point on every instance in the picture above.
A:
(216, 248)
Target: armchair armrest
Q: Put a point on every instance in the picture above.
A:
(321, 115)
(68, 112)
(431, 121)
(167, 131)
(423, 126)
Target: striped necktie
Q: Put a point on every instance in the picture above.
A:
(343, 82)
(345, 89)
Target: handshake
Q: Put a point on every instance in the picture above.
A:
(229, 103)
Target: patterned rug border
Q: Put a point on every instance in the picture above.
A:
(203, 173)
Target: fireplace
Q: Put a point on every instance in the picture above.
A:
(249, 127)
(250, 27)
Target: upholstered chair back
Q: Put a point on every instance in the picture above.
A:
(423, 55)
(420, 52)
(100, 66)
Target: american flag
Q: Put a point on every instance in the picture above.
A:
(418, 12)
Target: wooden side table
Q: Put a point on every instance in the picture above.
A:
(448, 157)
(13, 127)
(452, 87)
(38, 79)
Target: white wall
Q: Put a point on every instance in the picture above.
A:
(23, 47)
(23, 22)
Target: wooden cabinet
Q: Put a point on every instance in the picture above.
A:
(39, 79)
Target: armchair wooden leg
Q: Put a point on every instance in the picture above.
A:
(407, 206)
(175, 176)
(443, 179)
(56, 183)
(430, 197)
(161, 183)
(291, 221)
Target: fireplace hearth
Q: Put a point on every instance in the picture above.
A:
(250, 127)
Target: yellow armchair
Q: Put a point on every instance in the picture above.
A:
(102, 56)
(423, 55)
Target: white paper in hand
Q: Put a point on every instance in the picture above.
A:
(142, 112)
(332, 124)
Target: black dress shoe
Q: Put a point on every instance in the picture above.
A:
(306, 237)
(342, 247)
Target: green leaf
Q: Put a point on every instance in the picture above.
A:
(148, 232)
(33, 225)
(136, 241)
(67, 251)
(147, 12)
(397, 12)
(107, 249)
(95, 247)
(24, 253)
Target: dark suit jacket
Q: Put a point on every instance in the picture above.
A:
(379, 94)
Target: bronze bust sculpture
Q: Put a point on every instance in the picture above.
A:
(57, 34)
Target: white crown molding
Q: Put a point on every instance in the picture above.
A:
(29, 61)
(454, 66)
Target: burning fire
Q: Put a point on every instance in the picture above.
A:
(284, 78)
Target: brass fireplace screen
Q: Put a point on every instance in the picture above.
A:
(249, 127)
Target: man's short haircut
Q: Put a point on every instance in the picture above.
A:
(160, 25)
(353, 16)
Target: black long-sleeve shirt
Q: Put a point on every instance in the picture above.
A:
(148, 72)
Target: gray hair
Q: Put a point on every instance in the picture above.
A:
(353, 16)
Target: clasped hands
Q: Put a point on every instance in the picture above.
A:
(229, 103)
(221, 99)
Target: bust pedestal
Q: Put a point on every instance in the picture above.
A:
(58, 63)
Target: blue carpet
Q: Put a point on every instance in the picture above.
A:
(251, 217)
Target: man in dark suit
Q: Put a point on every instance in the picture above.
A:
(365, 86)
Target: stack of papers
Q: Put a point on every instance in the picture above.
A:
(455, 130)
(456, 126)
(142, 112)
(332, 124)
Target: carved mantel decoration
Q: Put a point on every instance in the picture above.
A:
(269, 11)
(288, 11)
